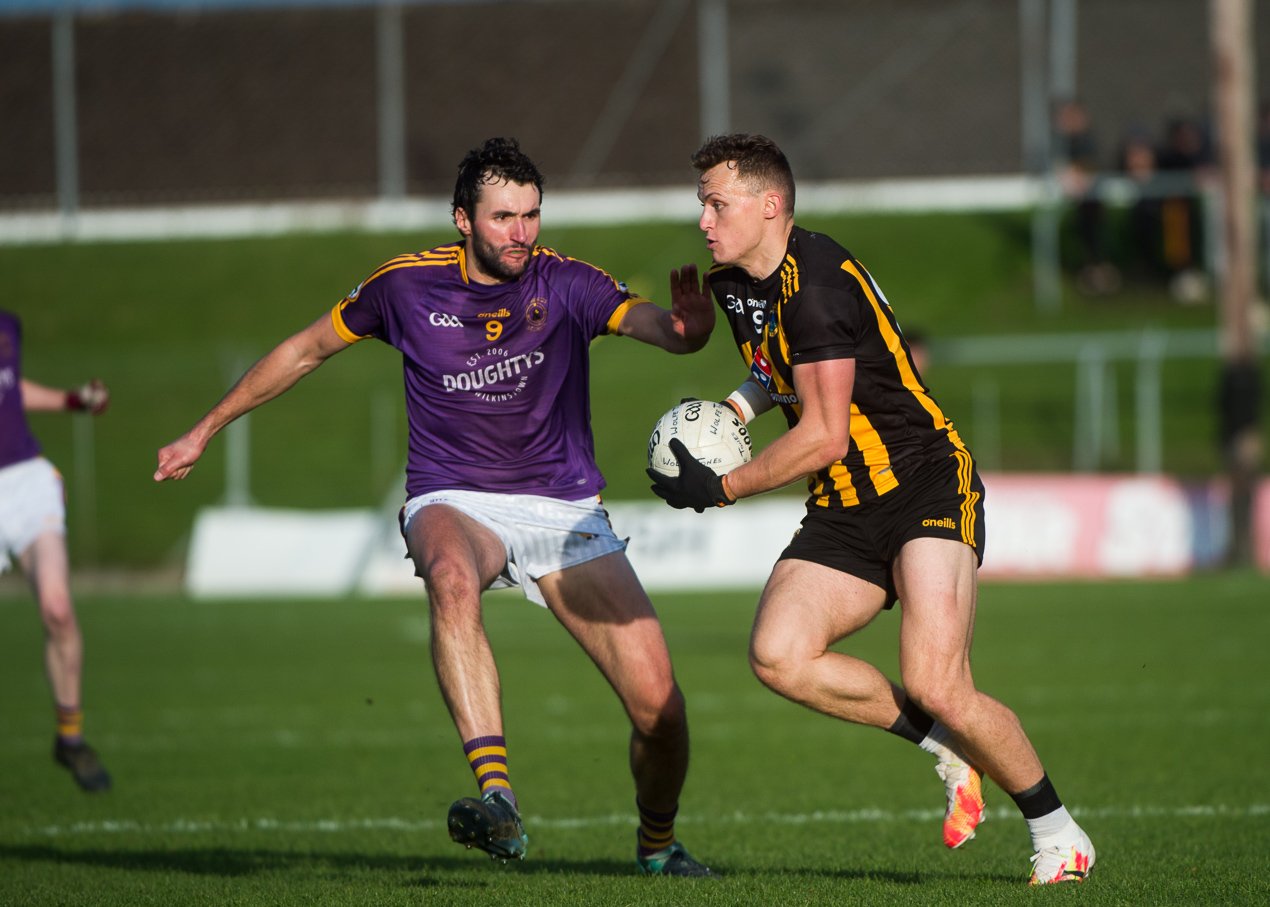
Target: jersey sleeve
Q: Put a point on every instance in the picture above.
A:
(601, 300)
(361, 314)
(822, 323)
(615, 320)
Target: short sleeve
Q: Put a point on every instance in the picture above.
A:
(597, 297)
(821, 323)
(360, 314)
(615, 319)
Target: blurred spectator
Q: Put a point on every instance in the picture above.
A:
(1185, 154)
(1143, 243)
(918, 349)
(1076, 163)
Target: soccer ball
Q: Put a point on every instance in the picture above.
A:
(712, 432)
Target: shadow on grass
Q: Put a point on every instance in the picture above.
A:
(426, 871)
(230, 862)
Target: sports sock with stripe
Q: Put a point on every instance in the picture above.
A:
(488, 758)
(656, 829)
(70, 723)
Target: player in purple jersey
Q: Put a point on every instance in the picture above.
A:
(895, 510)
(33, 531)
(502, 486)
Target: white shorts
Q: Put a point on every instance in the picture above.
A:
(541, 535)
(32, 502)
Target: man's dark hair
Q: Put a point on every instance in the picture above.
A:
(497, 160)
(758, 161)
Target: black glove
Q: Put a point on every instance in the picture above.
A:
(696, 486)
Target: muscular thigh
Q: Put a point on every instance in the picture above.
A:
(806, 607)
(936, 579)
(47, 568)
(603, 606)
(442, 539)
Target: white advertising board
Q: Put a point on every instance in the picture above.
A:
(1038, 527)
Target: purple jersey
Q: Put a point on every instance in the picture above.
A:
(16, 441)
(497, 376)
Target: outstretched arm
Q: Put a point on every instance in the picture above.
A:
(279, 370)
(92, 397)
(685, 326)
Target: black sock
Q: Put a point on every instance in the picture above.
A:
(1038, 800)
(913, 724)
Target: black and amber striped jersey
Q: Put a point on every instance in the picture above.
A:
(822, 304)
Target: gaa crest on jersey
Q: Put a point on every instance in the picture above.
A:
(444, 320)
(761, 369)
(536, 313)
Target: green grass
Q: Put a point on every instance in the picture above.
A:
(297, 752)
(170, 325)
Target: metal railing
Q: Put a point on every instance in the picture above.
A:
(1096, 411)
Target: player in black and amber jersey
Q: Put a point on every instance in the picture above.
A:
(821, 304)
(895, 510)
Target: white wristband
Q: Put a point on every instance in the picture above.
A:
(750, 400)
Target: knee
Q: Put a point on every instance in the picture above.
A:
(776, 666)
(662, 717)
(933, 702)
(946, 702)
(453, 587)
(58, 616)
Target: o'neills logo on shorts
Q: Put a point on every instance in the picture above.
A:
(944, 523)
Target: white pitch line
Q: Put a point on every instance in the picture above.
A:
(838, 817)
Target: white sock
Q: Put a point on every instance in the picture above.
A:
(1051, 829)
(939, 744)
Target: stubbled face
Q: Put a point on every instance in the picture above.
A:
(501, 232)
(732, 217)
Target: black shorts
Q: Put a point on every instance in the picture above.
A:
(943, 500)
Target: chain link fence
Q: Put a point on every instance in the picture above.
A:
(255, 101)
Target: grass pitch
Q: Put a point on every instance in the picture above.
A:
(297, 752)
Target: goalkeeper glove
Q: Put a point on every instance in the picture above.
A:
(696, 486)
(92, 397)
